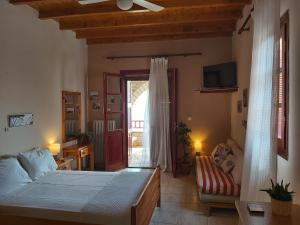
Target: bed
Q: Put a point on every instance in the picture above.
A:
(84, 198)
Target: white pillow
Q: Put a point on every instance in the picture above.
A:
(37, 162)
(228, 164)
(238, 168)
(12, 175)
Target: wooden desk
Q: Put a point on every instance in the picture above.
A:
(80, 152)
(268, 218)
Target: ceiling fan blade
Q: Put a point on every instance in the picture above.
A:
(86, 2)
(148, 5)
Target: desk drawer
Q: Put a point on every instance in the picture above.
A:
(84, 152)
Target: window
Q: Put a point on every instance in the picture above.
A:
(283, 88)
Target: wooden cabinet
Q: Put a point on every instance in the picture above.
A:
(80, 152)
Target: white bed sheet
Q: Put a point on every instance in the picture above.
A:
(78, 196)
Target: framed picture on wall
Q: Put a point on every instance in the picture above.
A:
(20, 120)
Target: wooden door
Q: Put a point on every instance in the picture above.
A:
(113, 122)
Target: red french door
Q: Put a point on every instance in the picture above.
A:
(114, 122)
(172, 78)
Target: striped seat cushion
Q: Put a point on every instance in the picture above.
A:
(212, 180)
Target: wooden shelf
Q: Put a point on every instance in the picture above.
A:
(113, 93)
(227, 90)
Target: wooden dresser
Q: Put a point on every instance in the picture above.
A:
(80, 152)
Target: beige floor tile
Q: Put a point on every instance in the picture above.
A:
(163, 216)
(180, 205)
(223, 220)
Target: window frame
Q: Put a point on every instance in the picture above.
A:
(282, 144)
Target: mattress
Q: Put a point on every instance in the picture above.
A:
(212, 180)
(79, 196)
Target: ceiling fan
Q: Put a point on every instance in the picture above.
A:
(127, 4)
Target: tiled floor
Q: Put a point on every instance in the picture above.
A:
(180, 205)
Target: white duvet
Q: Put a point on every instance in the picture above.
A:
(89, 197)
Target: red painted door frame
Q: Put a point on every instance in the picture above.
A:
(113, 139)
(144, 75)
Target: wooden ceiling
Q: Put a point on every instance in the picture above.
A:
(106, 23)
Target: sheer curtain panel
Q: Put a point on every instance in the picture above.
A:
(158, 115)
(260, 149)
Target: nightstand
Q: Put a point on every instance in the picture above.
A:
(64, 164)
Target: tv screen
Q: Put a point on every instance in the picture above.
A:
(222, 76)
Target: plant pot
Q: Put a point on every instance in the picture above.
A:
(186, 168)
(281, 208)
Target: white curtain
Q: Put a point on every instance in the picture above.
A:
(260, 149)
(157, 116)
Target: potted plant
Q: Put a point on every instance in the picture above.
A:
(281, 198)
(185, 141)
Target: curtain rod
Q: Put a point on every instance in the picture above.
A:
(243, 27)
(154, 56)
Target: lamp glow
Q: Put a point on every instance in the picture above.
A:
(54, 148)
(198, 146)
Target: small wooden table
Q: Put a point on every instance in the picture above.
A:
(80, 152)
(64, 164)
(267, 218)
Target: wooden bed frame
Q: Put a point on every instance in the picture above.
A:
(141, 211)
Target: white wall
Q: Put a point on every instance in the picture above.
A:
(242, 54)
(289, 170)
(37, 62)
(210, 113)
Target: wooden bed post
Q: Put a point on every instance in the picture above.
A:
(142, 210)
(159, 177)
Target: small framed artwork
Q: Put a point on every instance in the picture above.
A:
(20, 120)
(239, 106)
(94, 95)
(111, 99)
(96, 106)
(245, 97)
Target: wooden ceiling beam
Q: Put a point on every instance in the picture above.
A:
(20, 2)
(150, 38)
(164, 17)
(181, 28)
(96, 9)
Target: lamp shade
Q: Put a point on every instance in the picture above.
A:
(198, 146)
(54, 148)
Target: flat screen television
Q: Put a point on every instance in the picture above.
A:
(221, 76)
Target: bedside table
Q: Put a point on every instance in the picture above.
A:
(64, 164)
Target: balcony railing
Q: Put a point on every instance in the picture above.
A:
(137, 124)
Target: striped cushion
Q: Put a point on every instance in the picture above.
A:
(212, 180)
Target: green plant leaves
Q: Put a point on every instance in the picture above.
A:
(279, 191)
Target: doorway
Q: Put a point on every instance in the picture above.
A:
(137, 99)
(143, 75)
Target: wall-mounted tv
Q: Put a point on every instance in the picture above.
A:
(221, 76)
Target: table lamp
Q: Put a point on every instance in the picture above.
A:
(54, 149)
(198, 147)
